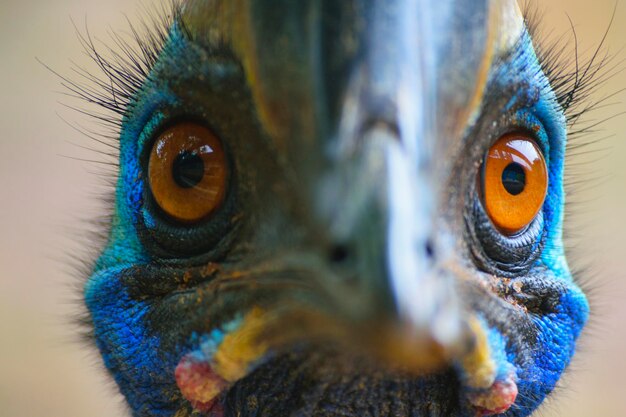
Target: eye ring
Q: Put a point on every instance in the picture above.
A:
(514, 182)
(187, 172)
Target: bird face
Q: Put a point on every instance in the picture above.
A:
(339, 208)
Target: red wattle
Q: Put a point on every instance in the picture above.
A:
(200, 385)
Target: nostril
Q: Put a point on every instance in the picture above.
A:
(429, 249)
(339, 254)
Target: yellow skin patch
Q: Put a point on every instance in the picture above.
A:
(241, 348)
(479, 368)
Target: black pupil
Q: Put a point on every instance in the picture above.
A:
(188, 169)
(514, 178)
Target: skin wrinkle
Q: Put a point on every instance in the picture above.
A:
(145, 324)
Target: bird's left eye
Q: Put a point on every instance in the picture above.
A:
(187, 172)
(514, 182)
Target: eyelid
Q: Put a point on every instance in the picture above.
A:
(526, 122)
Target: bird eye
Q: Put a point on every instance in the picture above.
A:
(515, 182)
(187, 172)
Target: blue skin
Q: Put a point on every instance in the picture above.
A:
(134, 356)
(559, 330)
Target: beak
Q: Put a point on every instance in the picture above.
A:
(386, 165)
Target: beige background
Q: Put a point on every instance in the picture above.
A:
(45, 199)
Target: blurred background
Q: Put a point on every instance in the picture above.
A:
(46, 198)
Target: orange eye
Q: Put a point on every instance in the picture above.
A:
(187, 172)
(515, 182)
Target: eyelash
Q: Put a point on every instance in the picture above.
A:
(123, 68)
(126, 64)
(572, 80)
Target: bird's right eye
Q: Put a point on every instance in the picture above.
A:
(187, 172)
(515, 182)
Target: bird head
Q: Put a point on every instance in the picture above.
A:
(338, 208)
